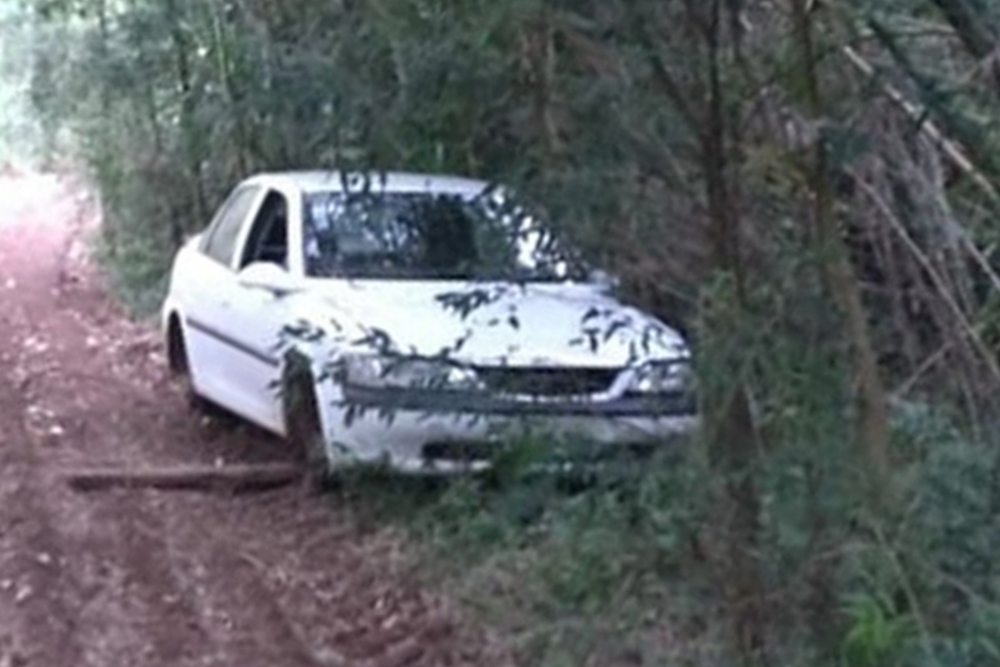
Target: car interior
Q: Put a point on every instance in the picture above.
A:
(268, 241)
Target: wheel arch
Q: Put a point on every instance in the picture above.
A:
(176, 343)
(310, 376)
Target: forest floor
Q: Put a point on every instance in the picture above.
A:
(142, 577)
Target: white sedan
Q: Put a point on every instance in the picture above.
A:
(412, 319)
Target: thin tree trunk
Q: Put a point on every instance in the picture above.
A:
(733, 444)
(244, 161)
(871, 404)
(192, 149)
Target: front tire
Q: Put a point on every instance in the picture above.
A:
(303, 424)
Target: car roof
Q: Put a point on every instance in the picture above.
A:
(393, 181)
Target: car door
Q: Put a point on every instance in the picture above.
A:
(257, 316)
(216, 346)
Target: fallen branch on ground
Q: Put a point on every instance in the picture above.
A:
(230, 478)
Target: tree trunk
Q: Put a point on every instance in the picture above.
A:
(842, 283)
(189, 133)
(733, 444)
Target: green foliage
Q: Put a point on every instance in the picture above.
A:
(623, 559)
(21, 137)
(879, 635)
(575, 567)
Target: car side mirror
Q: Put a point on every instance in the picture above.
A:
(268, 276)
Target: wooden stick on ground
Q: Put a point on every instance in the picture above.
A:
(229, 478)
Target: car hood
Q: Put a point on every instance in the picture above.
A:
(495, 323)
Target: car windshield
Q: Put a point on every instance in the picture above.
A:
(429, 236)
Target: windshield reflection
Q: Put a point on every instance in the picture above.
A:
(429, 236)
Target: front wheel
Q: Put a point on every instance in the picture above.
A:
(303, 425)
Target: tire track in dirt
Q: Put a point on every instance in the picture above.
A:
(151, 578)
(84, 576)
(40, 594)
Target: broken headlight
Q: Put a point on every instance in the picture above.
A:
(663, 377)
(403, 373)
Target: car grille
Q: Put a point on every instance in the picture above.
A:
(547, 381)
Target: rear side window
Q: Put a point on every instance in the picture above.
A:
(220, 244)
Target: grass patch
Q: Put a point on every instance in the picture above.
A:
(572, 569)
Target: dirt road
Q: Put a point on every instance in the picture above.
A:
(164, 578)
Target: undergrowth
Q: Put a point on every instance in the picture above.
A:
(569, 567)
(137, 275)
(623, 565)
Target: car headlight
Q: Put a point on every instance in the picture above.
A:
(388, 373)
(663, 377)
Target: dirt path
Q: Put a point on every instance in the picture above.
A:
(149, 578)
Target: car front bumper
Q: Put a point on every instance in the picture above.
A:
(411, 430)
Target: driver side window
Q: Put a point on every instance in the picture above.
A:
(268, 239)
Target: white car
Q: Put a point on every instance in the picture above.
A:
(412, 319)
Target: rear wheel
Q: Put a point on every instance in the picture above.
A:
(180, 367)
(303, 425)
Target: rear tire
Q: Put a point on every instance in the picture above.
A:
(180, 369)
(303, 425)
